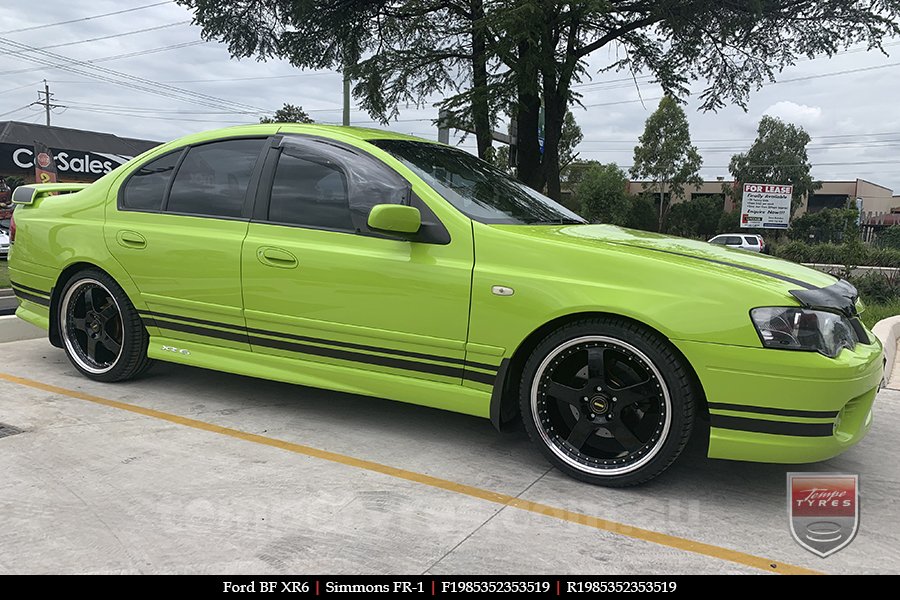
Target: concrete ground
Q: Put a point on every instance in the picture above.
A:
(90, 487)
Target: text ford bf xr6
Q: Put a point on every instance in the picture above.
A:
(384, 265)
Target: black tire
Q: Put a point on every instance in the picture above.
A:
(607, 401)
(102, 333)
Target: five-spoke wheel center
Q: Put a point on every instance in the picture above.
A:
(599, 405)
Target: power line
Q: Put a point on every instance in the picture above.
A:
(109, 37)
(15, 110)
(159, 118)
(128, 80)
(252, 78)
(19, 87)
(82, 19)
(109, 58)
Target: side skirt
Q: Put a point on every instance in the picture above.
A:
(452, 397)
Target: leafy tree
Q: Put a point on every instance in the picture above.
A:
(778, 156)
(826, 226)
(698, 216)
(666, 156)
(288, 114)
(571, 137)
(729, 222)
(603, 196)
(485, 56)
(642, 214)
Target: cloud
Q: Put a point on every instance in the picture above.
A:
(798, 114)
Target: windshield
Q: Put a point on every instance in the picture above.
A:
(476, 188)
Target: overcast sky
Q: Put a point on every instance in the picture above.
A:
(850, 103)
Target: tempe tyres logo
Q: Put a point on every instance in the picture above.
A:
(823, 509)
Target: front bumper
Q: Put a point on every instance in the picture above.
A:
(780, 406)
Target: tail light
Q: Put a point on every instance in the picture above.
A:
(12, 228)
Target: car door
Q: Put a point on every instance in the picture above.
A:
(320, 286)
(177, 229)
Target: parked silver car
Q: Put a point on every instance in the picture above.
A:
(744, 241)
(4, 244)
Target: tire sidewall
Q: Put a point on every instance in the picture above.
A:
(664, 359)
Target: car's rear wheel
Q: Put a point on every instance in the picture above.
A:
(607, 401)
(102, 334)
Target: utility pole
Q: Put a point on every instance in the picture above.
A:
(46, 101)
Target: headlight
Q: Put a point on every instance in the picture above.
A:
(804, 329)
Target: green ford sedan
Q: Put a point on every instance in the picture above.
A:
(385, 265)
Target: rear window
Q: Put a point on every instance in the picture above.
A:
(146, 188)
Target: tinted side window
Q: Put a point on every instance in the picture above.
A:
(733, 241)
(146, 187)
(213, 178)
(717, 240)
(309, 192)
(751, 241)
(320, 184)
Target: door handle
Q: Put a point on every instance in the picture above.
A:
(277, 257)
(131, 239)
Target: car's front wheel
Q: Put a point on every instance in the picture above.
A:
(607, 401)
(102, 334)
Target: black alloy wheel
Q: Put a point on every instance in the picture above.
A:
(608, 403)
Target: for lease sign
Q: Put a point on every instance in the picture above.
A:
(766, 206)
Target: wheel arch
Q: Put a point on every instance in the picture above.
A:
(56, 294)
(504, 399)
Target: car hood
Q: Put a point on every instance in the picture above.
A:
(759, 269)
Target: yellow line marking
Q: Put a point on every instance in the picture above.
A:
(646, 535)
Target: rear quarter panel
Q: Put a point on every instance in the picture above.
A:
(58, 232)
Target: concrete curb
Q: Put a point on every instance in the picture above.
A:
(887, 331)
(14, 329)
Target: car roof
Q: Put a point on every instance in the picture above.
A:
(362, 133)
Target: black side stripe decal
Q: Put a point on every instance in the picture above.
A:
(774, 427)
(29, 289)
(312, 340)
(385, 361)
(233, 336)
(32, 298)
(478, 377)
(778, 276)
(782, 412)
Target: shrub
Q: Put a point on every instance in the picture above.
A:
(602, 195)
(852, 254)
(877, 287)
(889, 238)
(695, 217)
(642, 214)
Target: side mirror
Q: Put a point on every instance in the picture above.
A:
(395, 218)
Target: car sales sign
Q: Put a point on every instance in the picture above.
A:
(766, 206)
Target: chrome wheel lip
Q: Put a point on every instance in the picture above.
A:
(563, 456)
(73, 351)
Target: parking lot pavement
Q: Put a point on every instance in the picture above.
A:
(193, 471)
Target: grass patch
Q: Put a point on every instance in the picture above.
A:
(4, 274)
(876, 312)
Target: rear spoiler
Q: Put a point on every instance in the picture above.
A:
(27, 194)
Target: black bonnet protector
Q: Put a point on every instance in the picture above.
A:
(840, 296)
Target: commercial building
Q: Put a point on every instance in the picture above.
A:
(874, 200)
(81, 156)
